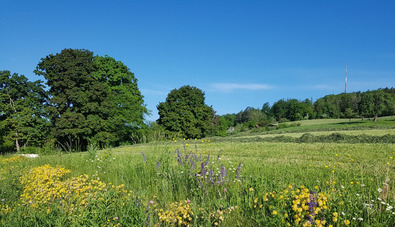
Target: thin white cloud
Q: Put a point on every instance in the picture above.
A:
(229, 87)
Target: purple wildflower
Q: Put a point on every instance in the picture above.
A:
(203, 169)
(211, 176)
(312, 206)
(200, 182)
(145, 158)
(179, 157)
(187, 156)
(238, 170)
(192, 164)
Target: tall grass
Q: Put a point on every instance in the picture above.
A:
(195, 182)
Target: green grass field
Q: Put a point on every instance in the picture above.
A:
(218, 181)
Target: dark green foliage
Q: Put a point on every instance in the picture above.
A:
(279, 109)
(251, 116)
(327, 107)
(292, 109)
(128, 104)
(185, 111)
(91, 99)
(230, 119)
(299, 110)
(222, 126)
(374, 103)
(79, 106)
(22, 118)
(266, 109)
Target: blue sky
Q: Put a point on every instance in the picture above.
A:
(240, 53)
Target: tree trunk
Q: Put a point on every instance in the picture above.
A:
(17, 142)
(18, 148)
(375, 118)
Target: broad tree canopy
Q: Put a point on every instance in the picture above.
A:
(185, 111)
(91, 98)
(129, 108)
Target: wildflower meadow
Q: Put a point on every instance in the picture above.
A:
(209, 182)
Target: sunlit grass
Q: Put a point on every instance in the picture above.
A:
(357, 179)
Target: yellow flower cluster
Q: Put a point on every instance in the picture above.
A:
(179, 213)
(304, 207)
(299, 206)
(43, 187)
(12, 159)
(5, 209)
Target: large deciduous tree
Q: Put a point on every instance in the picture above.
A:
(79, 107)
(91, 98)
(185, 111)
(129, 108)
(22, 114)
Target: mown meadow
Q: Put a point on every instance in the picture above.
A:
(243, 180)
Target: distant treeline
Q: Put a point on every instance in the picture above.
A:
(369, 104)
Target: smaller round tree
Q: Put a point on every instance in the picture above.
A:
(185, 111)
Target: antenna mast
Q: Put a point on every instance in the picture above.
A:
(345, 86)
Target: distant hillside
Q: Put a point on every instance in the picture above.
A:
(369, 104)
